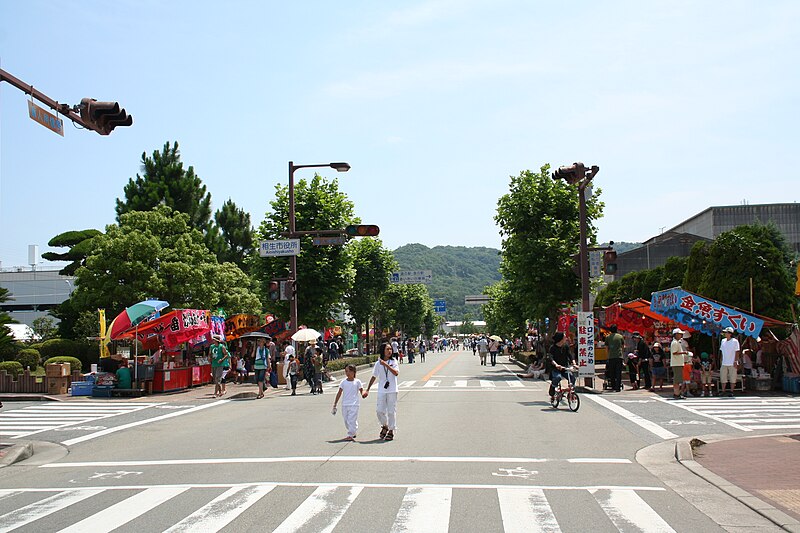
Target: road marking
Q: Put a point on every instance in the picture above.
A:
(35, 511)
(628, 510)
(335, 459)
(432, 383)
(652, 427)
(222, 510)
(405, 384)
(123, 512)
(486, 384)
(460, 383)
(424, 509)
(108, 431)
(322, 504)
(700, 413)
(526, 510)
(439, 367)
(515, 384)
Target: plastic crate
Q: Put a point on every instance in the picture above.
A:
(81, 388)
(102, 391)
(791, 383)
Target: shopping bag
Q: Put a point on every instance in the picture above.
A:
(273, 379)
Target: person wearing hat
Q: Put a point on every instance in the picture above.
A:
(677, 354)
(730, 350)
(220, 358)
(643, 351)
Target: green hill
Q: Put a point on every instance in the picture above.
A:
(457, 272)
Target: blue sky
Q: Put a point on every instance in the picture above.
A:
(435, 104)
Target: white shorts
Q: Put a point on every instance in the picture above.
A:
(727, 374)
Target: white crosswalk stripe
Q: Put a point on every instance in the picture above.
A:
(423, 507)
(747, 413)
(38, 418)
(461, 384)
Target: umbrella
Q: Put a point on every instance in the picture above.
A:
(496, 338)
(305, 335)
(134, 315)
(255, 334)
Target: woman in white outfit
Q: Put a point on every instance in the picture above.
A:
(386, 371)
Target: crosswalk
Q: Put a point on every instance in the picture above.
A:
(747, 413)
(485, 384)
(27, 421)
(290, 507)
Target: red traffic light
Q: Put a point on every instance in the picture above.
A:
(362, 230)
(103, 117)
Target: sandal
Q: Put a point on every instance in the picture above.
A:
(349, 439)
(384, 431)
(389, 435)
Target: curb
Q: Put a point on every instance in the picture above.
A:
(16, 453)
(31, 397)
(685, 456)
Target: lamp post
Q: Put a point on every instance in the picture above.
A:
(339, 167)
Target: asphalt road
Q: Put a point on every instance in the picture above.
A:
(476, 450)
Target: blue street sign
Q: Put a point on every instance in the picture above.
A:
(440, 306)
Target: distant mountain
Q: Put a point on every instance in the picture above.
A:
(457, 272)
(622, 247)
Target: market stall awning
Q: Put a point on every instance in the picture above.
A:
(174, 328)
(634, 316)
(708, 316)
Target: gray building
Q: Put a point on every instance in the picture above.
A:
(33, 293)
(654, 252)
(715, 220)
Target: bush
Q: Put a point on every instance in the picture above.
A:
(74, 362)
(59, 347)
(11, 367)
(339, 364)
(29, 358)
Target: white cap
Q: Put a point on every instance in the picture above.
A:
(728, 330)
(677, 330)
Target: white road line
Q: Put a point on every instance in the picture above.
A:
(321, 502)
(515, 384)
(108, 431)
(424, 510)
(35, 511)
(432, 383)
(460, 383)
(222, 510)
(629, 512)
(123, 512)
(701, 413)
(487, 384)
(652, 427)
(405, 384)
(334, 459)
(525, 511)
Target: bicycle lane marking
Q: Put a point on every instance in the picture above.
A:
(652, 427)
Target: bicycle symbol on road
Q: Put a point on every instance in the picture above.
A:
(515, 472)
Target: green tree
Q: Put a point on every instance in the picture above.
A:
(79, 244)
(164, 181)
(155, 254)
(324, 273)
(405, 307)
(503, 313)
(236, 236)
(44, 328)
(674, 272)
(696, 266)
(467, 326)
(372, 266)
(758, 252)
(539, 223)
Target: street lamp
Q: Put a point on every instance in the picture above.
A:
(339, 167)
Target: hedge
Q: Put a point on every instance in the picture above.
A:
(339, 364)
(74, 362)
(86, 352)
(29, 358)
(11, 367)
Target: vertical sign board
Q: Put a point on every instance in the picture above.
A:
(595, 263)
(440, 307)
(45, 118)
(586, 344)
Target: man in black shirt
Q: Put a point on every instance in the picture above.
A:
(560, 359)
(643, 351)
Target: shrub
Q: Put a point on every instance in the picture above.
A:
(11, 367)
(59, 347)
(29, 358)
(339, 364)
(74, 362)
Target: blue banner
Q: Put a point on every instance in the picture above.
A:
(703, 314)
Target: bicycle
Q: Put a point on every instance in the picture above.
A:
(573, 401)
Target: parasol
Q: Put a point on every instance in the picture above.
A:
(134, 315)
(496, 338)
(305, 335)
(255, 334)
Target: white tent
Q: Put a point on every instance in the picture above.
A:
(21, 332)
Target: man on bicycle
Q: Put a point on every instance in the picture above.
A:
(560, 359)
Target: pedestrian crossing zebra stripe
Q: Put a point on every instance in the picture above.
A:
(745, 413)
(423, 507)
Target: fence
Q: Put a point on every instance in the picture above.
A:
(26, 383)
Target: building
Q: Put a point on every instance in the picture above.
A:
(34, 292)
(655, 251)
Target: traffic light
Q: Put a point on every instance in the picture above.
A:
(103, 117)
(274, 290)
(572, 174)
(362, 230)
(610, 262)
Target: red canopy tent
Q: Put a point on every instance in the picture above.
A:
(634, 316)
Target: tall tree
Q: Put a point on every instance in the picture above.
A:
(405, 307)
(323, 272)
(696, 266)
(539, 223)
(503, 313)
(372, 266)
(79, 244)
(236, 234)
(164, 181)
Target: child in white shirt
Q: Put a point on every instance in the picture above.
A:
(351, 389)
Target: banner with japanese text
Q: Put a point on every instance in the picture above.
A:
(704, 314)
(586, 344)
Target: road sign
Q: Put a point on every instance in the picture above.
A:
(338, 240)
(439, 307)
(586, 344)
(406, 277)
(595, 263)
(478, 299)
(45, 118)
(279, 248)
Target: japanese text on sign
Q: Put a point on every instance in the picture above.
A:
(412, 276)
(586, 344)
(279, 248)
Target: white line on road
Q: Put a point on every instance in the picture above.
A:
(336, 459)
(526, 511)
(222, 510)
(652, 427)
(629, 512)
(487, 384)
(460, 383)
(424, 510)
(701, 413)
(35, 511)
(321, 504)
(432, 383)
(108, 431)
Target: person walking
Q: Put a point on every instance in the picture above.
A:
(220, 358)
(288, 351)
(291, 371)
(677, 354)
(731, 351)
(308, 366)
(350, 390)
(422, 351)
(318, 362)
(615, 343)
(261, 358)
(645, 357)
(272, 369)
(483, 349)
(494, 347)
(659, 370)
(386, 370)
